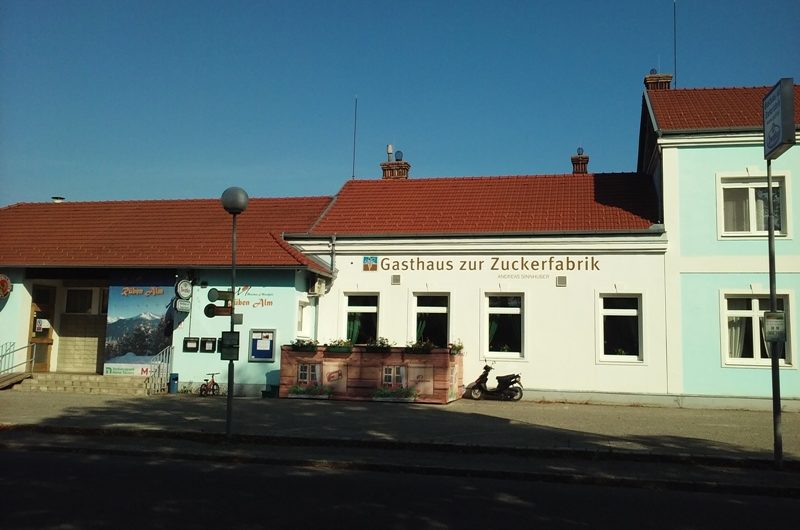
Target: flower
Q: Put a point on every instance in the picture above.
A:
(340, 343)
(456, 347)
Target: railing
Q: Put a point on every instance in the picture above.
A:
(7, 352)
(158, 380)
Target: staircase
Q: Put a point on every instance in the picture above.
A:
(84, 384)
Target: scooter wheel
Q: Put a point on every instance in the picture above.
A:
(516, 393)
(476, 392)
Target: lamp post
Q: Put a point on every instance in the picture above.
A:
(234, 200)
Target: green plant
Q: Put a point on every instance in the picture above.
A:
(310, 390)
(420, 346)
(304, 342)
(340, 343)
(380, 342)
(400, 392)
(186, 388)
(456, 347)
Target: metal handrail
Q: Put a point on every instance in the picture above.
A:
(10, 352)
(157, 381)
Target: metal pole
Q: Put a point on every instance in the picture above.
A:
(229, 409)
(775, 347)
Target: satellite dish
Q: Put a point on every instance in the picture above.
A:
(398, 156)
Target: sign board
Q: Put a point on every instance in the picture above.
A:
(229, 346)
(262, 345)
(774, 327)
(779, 126)
(184, 306)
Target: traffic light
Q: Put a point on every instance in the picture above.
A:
(214, 310)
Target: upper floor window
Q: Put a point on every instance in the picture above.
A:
(432, 319)
(745, 206)
(362, 318)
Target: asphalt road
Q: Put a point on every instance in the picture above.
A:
(66, 490)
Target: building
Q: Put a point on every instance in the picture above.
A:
(628, 285)
(704, 148)
(93, 285)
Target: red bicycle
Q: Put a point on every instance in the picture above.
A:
(209, 386)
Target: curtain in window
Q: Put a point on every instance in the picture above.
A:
(492, 329)
(737, 215)
(736, 333)
(421, 323)
(403, 382)
(353, 326)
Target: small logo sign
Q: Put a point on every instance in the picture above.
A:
(370, 263)
(6, 286)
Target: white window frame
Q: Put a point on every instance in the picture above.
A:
(754, 313)
(303, 318)
(431, 309)
(750, 182)
(488, 311)
(394, 376)
(313, 374)
(361, 309)
(602, 311)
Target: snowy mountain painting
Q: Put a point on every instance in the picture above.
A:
(137, 326)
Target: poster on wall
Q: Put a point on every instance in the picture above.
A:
(138, 327)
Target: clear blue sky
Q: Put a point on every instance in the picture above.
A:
(106, 99)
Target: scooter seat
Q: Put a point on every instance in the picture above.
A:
(509, 377)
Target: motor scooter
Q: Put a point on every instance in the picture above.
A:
(509, 387)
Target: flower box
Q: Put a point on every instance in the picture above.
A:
(338, 349)
(377, 349)
(305, 347)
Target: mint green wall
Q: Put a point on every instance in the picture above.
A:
(15, 310)
(278, 288)
(704, 373)
(698, 168)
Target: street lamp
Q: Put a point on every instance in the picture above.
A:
(234, 200)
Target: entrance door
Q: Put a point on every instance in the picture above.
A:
(42, 313)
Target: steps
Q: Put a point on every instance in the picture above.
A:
(84, 384)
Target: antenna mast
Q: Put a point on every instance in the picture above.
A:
(675, 43)
(355, 124)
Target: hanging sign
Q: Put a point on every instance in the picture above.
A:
(779, 127)
(774, 326)
(5, 286)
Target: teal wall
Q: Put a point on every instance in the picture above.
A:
(267, 300)
(698, 168)
(704, 372)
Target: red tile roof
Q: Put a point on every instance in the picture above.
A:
(711, 108)
(164, 233)
(493, 205)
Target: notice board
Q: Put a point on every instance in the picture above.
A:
(262, 345)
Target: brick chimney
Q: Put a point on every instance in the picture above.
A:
(580, 163)
(395, 168)
(656, 81)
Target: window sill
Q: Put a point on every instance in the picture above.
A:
(755, 236)
(621, 359)
(504, 356)
(757, 364)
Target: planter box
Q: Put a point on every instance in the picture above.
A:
(377, 349)
(309, 348)
(339, 349)
(397, 399)
(308, 396)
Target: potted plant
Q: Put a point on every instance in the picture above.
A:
(420, 346)
(304, 345)
(403, 393)
(456, 347)
(379, 345)
(339, 346)
(312, 391)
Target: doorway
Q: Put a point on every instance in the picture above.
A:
(41, 336)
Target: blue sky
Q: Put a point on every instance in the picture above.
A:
(108, 100)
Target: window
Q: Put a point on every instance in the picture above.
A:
(79, 301)
(743, 338)
(394, 376)
(362, 318)
(505, 325)
(303, 318)
(745, 206)
(621, 327)
(309, 374)
(432, 319)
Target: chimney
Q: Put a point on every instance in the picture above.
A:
(580, 163)
(656, 81)
(395, 168)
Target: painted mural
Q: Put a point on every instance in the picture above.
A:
(139, 326)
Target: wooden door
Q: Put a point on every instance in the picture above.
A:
(42, 315)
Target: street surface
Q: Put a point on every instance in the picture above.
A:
(43, 489)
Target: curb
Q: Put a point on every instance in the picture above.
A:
(610, 454)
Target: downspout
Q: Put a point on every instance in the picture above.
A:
(333, 255)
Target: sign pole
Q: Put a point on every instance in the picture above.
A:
(775, 347)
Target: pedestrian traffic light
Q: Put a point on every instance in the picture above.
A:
(214, 310)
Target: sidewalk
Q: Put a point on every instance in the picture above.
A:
(611, 441)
